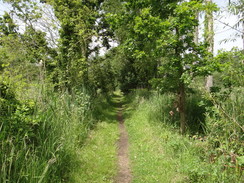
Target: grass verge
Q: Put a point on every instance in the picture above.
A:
(151, 161)
(159, 154)
(97, 158)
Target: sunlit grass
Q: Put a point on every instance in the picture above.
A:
(159, 154)
(98, 158)
(150, 160)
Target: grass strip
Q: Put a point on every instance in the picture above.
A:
(149, 159)
(98, 156)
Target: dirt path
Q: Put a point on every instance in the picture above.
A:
(124, 173)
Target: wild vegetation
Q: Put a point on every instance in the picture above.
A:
(160, 154)
(61, 62)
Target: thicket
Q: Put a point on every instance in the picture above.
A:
(216, 117)
(215, 121)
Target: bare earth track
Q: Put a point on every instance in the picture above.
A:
(124, 172)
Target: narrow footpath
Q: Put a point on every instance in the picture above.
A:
(124, 172)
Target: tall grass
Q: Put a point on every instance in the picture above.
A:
(46, 153)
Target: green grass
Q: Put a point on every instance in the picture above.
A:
(150, 161)
(75, 141)
(97, 158)
(63, 122)
(159, 154)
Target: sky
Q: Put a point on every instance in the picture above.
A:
(224, 32)
(221, 31)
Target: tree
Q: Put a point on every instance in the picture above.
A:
(22, 50)
(80, 23)
(185, 59)
(102, 73)
(140, 58)
(27, 11)
(231, 73)
(7, 25)
(160, 37)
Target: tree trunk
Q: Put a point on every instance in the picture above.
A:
(243, 32)
(209, 38)
(209, 82)
(196, 36)
(182, 110)
(181, 91)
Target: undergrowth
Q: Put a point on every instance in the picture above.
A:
(160, 154)
(39, 138)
